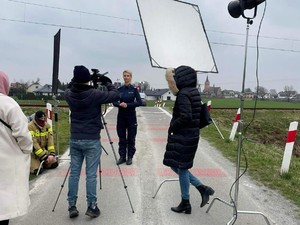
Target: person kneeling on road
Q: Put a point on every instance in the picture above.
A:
(43, 145)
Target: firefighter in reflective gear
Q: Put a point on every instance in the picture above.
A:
(43, 145)
(126, 120)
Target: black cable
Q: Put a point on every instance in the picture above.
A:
(253, 117)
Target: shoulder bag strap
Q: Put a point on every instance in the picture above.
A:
(5, 124)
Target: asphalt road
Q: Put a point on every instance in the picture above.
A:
(131, 200)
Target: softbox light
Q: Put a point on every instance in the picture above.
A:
(175, 35)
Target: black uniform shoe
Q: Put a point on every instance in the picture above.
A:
(73, 212)
(129, 161)
(93, 212)
(121, 160)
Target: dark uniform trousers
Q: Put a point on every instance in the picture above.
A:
(127, 130)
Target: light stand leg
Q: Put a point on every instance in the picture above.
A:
(166, 180)
(234, 204)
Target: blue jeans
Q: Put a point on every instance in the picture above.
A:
(90, 150)
(185, 178)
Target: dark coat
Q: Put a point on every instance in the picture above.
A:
(85, 105)
(183, 133)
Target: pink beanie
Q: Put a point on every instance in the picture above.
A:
(4, 83)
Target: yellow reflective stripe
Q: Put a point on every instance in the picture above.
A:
(51, 147)
(50, 129)
(32, 133)
(38, 152)
(40, 134)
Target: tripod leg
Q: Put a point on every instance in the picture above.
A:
(100, 171)
(62, 186)
(104, 150)
(114, 152)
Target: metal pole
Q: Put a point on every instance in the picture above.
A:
(234, 204)
(56, 123)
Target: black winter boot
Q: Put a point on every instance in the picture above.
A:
(184, 206)
(205, 192)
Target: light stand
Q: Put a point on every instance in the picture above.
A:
(234, 202)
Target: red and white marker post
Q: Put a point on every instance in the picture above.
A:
(209, 105)
(290, 140)
(235, 125)
(209, 108)
(49, 113)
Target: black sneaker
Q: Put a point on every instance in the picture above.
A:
(121, 160)
(129, 161)
(93, 212)
(73, 212)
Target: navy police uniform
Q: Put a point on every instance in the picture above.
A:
(126, 120)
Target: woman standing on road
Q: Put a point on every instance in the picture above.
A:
(126, 121)
(183, 134)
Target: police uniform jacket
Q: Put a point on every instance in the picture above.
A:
(130, 95)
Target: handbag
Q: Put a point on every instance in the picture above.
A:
(205, 118)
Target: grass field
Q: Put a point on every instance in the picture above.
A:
(263, 144)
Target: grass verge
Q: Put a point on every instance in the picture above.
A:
(263, 146)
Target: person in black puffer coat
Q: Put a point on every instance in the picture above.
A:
(183, 134)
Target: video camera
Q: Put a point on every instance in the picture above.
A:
(98, 77)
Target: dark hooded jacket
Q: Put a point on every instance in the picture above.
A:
(183, 133)
(85, 105)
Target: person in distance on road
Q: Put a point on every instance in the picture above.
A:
(183, 134)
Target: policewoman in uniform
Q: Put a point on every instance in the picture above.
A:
(126, 120)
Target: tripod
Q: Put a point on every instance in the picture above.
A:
(234, 202)
(100, 171)
(120, 171)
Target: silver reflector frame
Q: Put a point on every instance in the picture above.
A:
(175, 35)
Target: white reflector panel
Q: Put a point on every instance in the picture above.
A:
(175, 35)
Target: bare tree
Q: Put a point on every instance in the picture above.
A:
(289, 92)
(248, 90)
(261, 92)
(273, 93)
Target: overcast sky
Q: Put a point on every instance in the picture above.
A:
(108, 35)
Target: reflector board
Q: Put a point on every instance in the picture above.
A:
(175, 35)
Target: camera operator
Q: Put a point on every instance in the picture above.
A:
(85, 105)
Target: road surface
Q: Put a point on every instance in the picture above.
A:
(142, 180)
